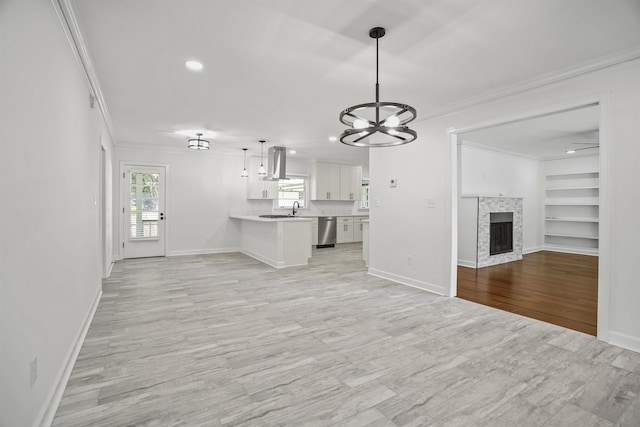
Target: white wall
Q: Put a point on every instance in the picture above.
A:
(50, 258)
(202, 187)
(402, 224)
(484, 172)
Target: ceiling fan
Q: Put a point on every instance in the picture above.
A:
(591, 146)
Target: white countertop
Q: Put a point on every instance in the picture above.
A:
(259, 219)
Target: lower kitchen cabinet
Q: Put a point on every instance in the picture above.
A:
(350, 229)
(345, 229)
(358, 228)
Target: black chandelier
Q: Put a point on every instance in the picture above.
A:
(378, 124)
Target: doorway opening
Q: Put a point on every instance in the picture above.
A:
(553, 163)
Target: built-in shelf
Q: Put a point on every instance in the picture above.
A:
(572, 219)
(573, 236)
(573, 175)
(589, 187)
(571, 211)
(570, 203)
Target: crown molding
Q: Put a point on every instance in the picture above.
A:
(69, 23)
(486, 147)
(599, 64)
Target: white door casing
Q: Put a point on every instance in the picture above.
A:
(143, 219)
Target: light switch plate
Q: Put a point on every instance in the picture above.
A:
(431, 203)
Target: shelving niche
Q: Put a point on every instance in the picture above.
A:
(572, 202)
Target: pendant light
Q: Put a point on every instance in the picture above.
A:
(262, 170)
(244, 171)
(378, 124)
(198, 143)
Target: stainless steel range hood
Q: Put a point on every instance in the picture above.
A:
(276, 164)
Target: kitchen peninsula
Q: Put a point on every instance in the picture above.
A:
(278, 242)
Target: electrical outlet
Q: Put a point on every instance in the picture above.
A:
(409, 259)
(33, 371)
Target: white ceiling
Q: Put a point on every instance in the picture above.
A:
(544, 137)
(282, 70)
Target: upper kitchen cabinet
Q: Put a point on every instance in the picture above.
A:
(257, 187)
(325, 183)
(350, 182)
(336, 182)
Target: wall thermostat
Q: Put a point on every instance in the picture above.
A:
(393, 183)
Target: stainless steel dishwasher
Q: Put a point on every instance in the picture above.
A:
(327, 228)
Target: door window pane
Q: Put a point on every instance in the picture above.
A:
(144, 204)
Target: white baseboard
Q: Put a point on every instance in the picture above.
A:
(532, 250)
(571, 250)
(425, 286)
(203, 251)
(51, 403)
(271, 262)
(625, 341)
(467, 263)
(109, 269)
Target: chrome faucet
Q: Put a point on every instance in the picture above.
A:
(294, 208)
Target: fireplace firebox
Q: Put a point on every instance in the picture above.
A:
(500, 233)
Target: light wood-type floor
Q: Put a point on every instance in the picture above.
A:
(223, 340)
(555, 287)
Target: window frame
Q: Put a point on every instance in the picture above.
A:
(276, 201)
(365, 181)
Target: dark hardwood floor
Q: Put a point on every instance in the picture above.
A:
(553, 287)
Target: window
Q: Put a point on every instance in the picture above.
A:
(364, 199)
(292, 190)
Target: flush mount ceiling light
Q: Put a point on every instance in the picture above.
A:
(262, 171)
(198, 143)
(194, 65)
(244, 171)
(378, 124)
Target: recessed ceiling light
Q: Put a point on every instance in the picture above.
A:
(194, 65)
(292, 151)
(571, 151)
(333, 138)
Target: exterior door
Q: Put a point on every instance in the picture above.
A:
(144, 221)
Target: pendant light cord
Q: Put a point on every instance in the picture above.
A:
(377, 88)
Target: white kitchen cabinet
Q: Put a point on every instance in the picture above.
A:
(350, 182)
(257, 188)
(358, 228)
(325, 182)
(344, 232)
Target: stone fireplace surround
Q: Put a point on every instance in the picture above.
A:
(486, 206)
